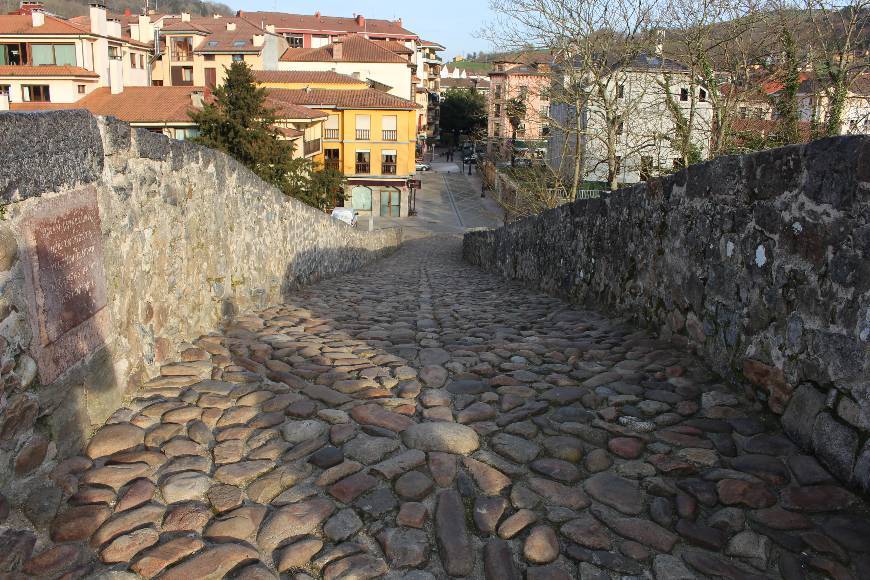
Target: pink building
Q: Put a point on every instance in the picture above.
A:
(530, 84)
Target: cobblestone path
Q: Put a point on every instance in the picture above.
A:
(421, 419)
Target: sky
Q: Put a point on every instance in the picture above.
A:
(453, 23)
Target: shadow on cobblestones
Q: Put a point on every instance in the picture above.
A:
(422, 419)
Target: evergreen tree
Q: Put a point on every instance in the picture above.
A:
(240, 124)
(463, 112)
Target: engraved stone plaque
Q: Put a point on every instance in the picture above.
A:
(67, 282)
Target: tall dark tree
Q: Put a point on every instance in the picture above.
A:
(240, 123)
(463, 112)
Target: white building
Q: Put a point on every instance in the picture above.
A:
(46, 59)
(643, 138)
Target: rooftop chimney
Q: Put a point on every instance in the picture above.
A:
(127, 12)
(97, 15)
(197, 99)
(270, 28)
(338, 49)
(185, 16)
(360, 20)
(317, 14)
(27, 7)
(259, 40)
(231, 26)
(37, 17)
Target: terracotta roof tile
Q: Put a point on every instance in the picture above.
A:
(319, 23)
(46, 71)
(285, 109)
(305, 76)
(134, 104)
(354, 48)
(23, 24)
(343, 99)
(393, 46)
(218, 38)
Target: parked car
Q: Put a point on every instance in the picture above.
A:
(424, 167)
(472, 159)
(347, 215)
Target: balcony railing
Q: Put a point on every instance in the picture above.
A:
(388, 169)
(330, 133)
(362, 134)
(390, 135)
(363, 168)
(182, 56)
(332, 165)
(312, 147)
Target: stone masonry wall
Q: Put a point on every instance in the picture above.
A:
(761, 262)
(185, 237)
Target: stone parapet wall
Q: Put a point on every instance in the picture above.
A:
(760, 262)
(116, 247)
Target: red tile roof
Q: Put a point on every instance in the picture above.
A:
(393, 46)
(218, 38)
(319, 23)
(290, 133)
(341, 98)
(466, 83)
(46, 71)
(305, 76)
(354, 48)
(23, 24)
(134, 104)
(285, 109)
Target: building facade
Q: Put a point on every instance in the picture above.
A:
(51, 60)
(512, 82)
(368, 136)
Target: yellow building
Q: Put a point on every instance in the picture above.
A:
(196, 51)
(370, 136)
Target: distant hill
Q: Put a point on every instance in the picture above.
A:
(70, 8)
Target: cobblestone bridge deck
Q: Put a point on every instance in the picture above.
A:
(421, 419)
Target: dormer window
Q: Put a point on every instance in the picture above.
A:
(238, 43)
(212, 43)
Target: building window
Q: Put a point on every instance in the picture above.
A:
(13, 54)
(35, 94)
(141, 61)
(363, 127)
(185, 134)
(496, 130)
(156, 83)
(238, 58)
(318, 41)
(187, 74)
(388, 162)
(363, 162)
(498, 110)
(524, 91)
(57, 54)
(132, 60)
(181, 48)
(210, 77)
(684, 94)
(389, 124)
(4, 90)
(361, 198)
(295, 40)
(497, 90)
(331, 130)
(115, 53)
(702, 95)
(208, 57)
(81, 89)
(620, 91)
(331, 159)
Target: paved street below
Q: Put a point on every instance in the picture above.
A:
(422, 419)
(448, 203)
